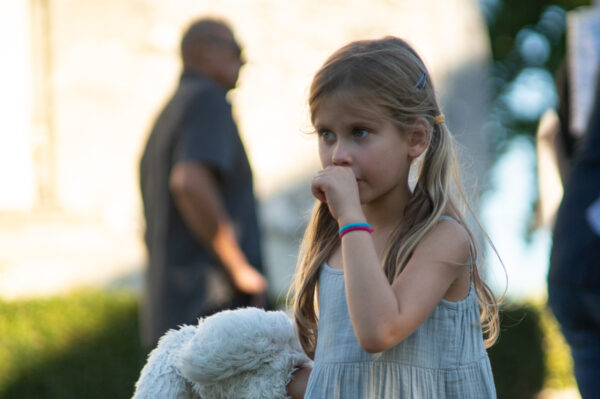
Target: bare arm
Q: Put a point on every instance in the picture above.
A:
(196, 196)
(383, 315)
(552, 166)
(297, 386)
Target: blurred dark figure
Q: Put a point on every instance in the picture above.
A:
(202, 232)
(574, 276)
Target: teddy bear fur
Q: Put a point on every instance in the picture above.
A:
(247, 353)
(160, 379)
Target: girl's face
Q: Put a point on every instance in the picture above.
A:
(360, 137)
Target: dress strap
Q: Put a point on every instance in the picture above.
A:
(445, 217)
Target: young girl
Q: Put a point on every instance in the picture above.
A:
(392, 268)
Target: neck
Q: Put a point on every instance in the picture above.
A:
(197, 69)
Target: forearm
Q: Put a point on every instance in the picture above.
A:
(551, 166)
(225, 245)
(198, 201)
(297, 386)
(372, 305)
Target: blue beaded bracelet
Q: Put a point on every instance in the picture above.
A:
(355, 226)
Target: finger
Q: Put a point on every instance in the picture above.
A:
(317, 191)
(320, 195)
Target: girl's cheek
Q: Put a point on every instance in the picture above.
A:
(325, 157)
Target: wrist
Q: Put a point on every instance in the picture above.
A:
(354, 227)
(234, 262)
(344, 221)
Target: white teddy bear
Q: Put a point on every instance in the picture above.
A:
(246, 353)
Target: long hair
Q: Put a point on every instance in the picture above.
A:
(391, 76)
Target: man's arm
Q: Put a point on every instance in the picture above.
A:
(194, 189)
(552, 167)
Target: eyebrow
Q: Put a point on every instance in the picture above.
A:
(359, 121)
(320, 126)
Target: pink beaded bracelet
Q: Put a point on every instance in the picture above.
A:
(355, 226)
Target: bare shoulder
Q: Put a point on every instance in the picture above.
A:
(449, 240)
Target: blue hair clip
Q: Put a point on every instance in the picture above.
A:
(421, 82)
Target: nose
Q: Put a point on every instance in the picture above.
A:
(341, 155)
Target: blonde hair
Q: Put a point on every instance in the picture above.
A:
(391, 76)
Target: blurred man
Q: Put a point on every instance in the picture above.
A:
(574, 275)
(569, 141)
(202, 233)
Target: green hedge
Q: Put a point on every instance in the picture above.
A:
(83, 345)
(530, 354)
(86, 345)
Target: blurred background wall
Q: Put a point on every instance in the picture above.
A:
(83, 80)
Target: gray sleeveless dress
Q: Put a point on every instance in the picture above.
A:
(443, 358)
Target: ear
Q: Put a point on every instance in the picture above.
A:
(418, 137)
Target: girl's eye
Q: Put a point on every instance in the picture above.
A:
(326, 135)
(360, 133)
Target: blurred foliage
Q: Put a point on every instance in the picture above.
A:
(509, 17)
(559, 363)
(508, 21)
(530, 354)
(518, 356)
(83, 345)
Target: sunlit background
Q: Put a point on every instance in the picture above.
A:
(82, 82)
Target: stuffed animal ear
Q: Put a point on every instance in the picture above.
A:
(225, 344)
(246, 353)
(160, 378)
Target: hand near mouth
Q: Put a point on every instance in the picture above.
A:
(338, 187)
